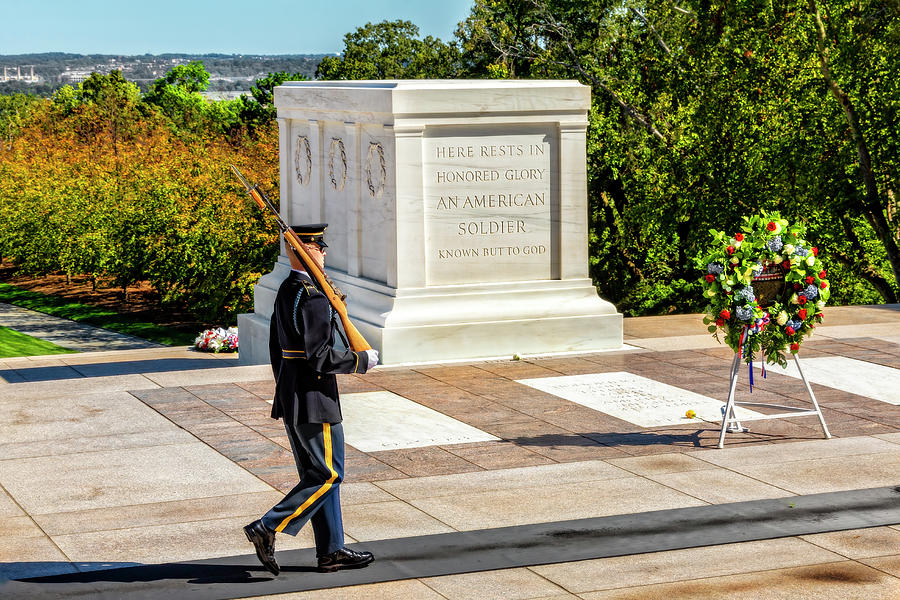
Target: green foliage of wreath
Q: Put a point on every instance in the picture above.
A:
(765, 242)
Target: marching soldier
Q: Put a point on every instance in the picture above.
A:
(305, 360)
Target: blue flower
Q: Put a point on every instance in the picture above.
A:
(746, 293)
(775, 244)
(801, 251)
(715, 268)
(757, 269)
(744, 313)
(811, 292)
(795, 323)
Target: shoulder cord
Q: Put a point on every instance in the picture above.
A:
(296, 305)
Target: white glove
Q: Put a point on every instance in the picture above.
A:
(373, 358)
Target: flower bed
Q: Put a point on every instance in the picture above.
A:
(765, 245)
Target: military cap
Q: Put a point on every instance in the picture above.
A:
(313, 233)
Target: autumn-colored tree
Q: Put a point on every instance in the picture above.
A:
(99, 182)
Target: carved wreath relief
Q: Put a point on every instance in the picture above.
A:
(303, 160)
(337, 149)
(376, 174)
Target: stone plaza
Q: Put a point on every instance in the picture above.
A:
(522, 440)
(137, 482)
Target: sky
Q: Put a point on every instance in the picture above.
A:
(206, 26)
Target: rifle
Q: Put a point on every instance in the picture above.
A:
(356, 340)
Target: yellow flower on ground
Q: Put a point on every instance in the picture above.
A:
(690, 414)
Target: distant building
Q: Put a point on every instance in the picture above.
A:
(74, 76)
(225, 95)
(15, 74)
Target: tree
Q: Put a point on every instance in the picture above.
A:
(259, 110)
(104, 106)
(390, 50)
(177, 95)
(14, 111)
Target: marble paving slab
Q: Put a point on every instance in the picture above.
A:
(849, 375)
(386, 421)
(639, 400)
(128, 476)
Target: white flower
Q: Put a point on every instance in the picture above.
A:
(820, 304)
(710, 293)
(810, 260)
(735, 260)
(794, 299)
(778, 259)
(782, 318)
(788, 249)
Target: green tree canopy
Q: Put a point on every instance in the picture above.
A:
(177, 95)
(390, 50)
(259, 110)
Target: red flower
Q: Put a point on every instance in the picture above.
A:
(787, 264)
(823, 274)
(802, 300)
(802, 314)
(710, 277)
(730, 249)
(823, 285)
(796, 287)
(720, 322)
(739, 237)
(790, 330)
(809, 279)
(820, 315)
(771, 226)
(814, 250)
(725, 314)
(795, 346)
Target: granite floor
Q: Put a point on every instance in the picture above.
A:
(153, 455)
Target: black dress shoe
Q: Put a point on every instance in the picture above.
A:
(263, 539)
(345, 558)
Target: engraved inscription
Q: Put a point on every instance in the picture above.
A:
(488, 207)
(633, 398)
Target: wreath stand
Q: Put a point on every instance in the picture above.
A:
(730, 422)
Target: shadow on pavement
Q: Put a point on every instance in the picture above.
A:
(197, 573)
(612, 439)
(133, 367)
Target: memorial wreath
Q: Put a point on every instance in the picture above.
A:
(766, 287)
(217, 340)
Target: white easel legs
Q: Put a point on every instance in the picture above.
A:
(731, 424)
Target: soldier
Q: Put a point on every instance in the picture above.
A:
(305, 359)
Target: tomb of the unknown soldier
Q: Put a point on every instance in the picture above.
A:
(459, 212)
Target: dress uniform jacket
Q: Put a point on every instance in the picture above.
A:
(303, 354)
